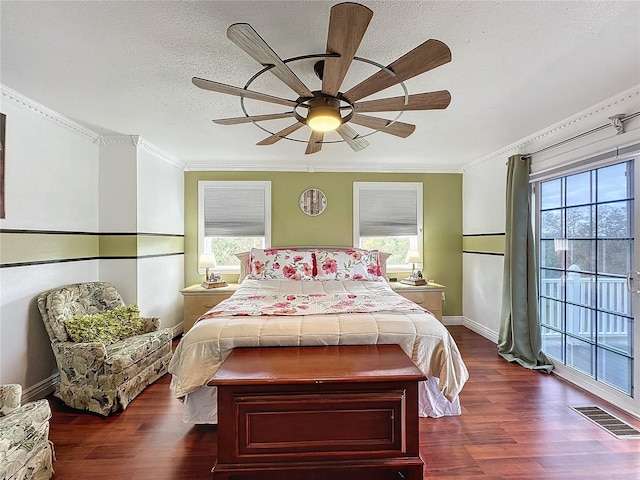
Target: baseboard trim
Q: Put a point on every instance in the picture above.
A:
(480, 329)
(177, 329)
(41, 389)
(453, 320)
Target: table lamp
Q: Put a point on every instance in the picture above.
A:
(413, 257)
(208, 262)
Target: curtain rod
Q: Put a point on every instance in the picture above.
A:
(616, 121)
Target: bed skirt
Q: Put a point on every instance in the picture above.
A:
(201, 405)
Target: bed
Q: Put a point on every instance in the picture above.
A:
(312, 297)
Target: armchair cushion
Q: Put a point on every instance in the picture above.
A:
(127, 352)
(25, 450)
(106, 327)
(10, 396)
(76, 300)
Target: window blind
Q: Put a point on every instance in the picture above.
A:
(388, 212)
(234, 212)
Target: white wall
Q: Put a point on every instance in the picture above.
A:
(158, 291)
(160, 211)
(118, 183)
(51, 184)
(123, 273)
(483, 194)
(50, 168)
(62, 177)
(142, 193)
(483, 213)
(160, 193)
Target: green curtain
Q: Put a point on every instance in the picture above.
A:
(519, 340)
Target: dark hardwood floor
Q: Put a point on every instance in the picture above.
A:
(516, 424)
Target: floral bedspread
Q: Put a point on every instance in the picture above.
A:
(310, 304)
(286, 313)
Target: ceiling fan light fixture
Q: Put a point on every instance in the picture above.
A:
(324, 115)
(328, 108)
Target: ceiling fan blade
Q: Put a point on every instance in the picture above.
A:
(252, 118)
(421, 101)
(347, 24)
(352, 138)
(231, 90)
(399, 129)
(429, 55)
(315, 142)
(243, 35)
(279, 135)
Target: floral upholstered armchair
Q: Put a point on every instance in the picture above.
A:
(106, 353)
(25, 450)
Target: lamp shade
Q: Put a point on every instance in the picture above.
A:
(324, 114)
(413, 256)
(323, 119)
(207, 260)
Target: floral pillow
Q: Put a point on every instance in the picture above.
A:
(278, 264)
(106, 327)
(349, 264)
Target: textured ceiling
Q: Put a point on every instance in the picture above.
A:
(126, 68)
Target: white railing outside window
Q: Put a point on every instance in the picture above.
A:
(612, 295)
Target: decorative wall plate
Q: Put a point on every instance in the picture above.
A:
(313, 202)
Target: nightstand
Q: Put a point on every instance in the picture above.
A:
(197, 300)
(430, 296)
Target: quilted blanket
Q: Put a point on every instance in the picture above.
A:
(310, 313)
(310, 303)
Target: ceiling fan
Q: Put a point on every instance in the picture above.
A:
(329, 109)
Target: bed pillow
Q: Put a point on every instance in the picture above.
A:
(280, 264)
(107, 327)
(348, 264)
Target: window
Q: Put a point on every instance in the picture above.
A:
(586, 235)
(233, 217)
(388, 216)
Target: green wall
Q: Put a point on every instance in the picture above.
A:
(25, 247)
(442, 197)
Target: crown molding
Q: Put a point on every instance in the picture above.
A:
(208, 167)
(388, 169)
(39, 109)
(94, 137)
(597, 115)
(139, 142)
(161, 154)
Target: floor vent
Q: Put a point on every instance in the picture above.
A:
(605, 420)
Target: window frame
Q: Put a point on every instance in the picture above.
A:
(605, 389)
(415, 186)
(232, 185)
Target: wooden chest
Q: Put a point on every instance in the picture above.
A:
(317, 413)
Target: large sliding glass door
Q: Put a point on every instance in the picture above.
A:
(586, 234)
